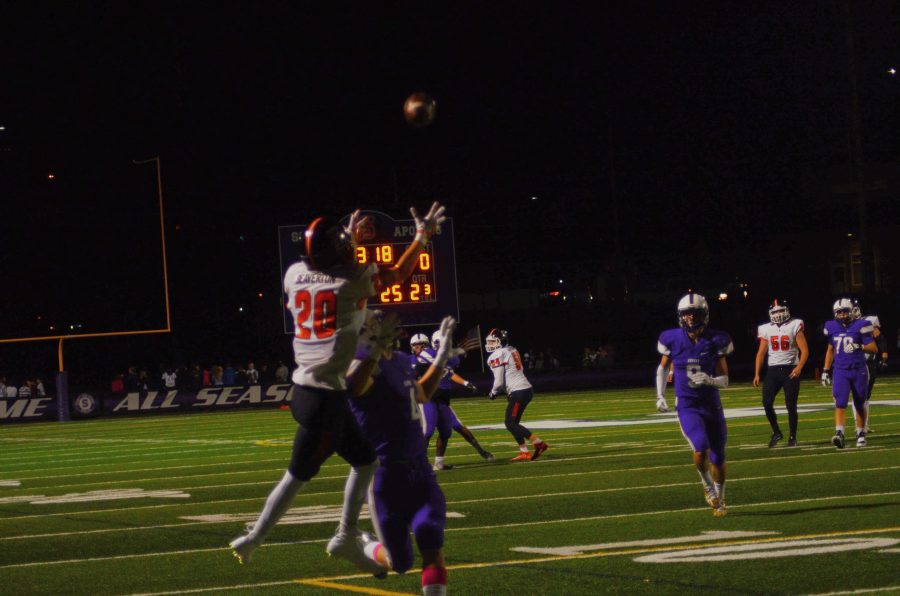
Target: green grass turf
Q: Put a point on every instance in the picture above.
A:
(616, 491)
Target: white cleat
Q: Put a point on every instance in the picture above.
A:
(861, 439)
(437, 467)
(351, 547)
(712, 499)
(242, 549)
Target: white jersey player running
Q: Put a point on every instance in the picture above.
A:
(509, 376)
(784, 341)
(327, 293)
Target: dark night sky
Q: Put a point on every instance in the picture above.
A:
(721, 118)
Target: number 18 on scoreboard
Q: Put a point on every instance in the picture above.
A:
(427, 296)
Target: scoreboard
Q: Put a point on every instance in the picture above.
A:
(426, 297)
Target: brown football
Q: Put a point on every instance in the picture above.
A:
(419, 109)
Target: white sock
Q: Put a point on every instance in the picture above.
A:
(278, 501)
(839, 428)
(438, 459)
(706, 478)
(371, 550)
(720, 490)
(523, 448)
(434, 590)
(355, 493)
(536, 440)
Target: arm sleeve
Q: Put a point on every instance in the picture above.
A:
(661, 374)
(499, 376)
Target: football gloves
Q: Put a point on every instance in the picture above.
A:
(444, 335)
(700, 378)
(382, 333)
(826, 379)
(428, 226)
(471, 386)
(661, 405)
(881, 365)
(493, 394)
(355, 223)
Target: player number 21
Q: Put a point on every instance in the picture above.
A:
(322, 308)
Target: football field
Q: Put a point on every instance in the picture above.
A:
(147, 505)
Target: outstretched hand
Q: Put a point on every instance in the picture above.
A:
(428, 226)
(445, 336)
(356, 223)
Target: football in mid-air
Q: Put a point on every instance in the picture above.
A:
(419, 109)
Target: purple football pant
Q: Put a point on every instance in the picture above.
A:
(404, 498)
(704, 428)
(847, 381)
(440, 416)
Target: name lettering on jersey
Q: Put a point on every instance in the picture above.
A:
(314, 277)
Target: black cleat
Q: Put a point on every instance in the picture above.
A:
(776, 436)
(838, 440)
(792, 442)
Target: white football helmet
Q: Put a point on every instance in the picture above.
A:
(419, 339)
(843, 310)
(496, 338)
(436, 339)
(856, 312)
(779, 312)
(694, 306)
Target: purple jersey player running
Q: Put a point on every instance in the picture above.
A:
(849, 341)
(698, 354)
(438, 412)
(404, 495)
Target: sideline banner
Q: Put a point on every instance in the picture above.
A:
(90, 404)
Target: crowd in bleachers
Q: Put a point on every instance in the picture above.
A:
(196, 377)
(29, 387)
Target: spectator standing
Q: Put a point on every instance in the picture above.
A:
(11, 390)
(195, 377)
(118, 384)
(217, 375)
(170, 378)
(228, 375)
(281, 373)
(131, 379)
(39, 388)
(252, 374)
(2, 386)
(25, 389)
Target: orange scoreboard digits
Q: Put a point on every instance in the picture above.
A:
(426, 297)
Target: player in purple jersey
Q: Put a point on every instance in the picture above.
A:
(327, 292)
(849, 341)
(404, 495)
(698, 354)
(439, 415)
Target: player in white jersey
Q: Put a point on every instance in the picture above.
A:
(509, 376)
(875, 363)
(327, 292)
(784, 341)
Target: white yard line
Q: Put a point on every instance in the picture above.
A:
(468, 529)
(451, 503)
